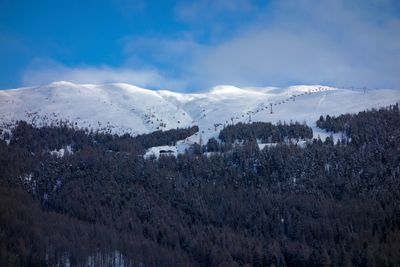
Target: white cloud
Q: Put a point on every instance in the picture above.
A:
(335, 42)
(331, 42)
(157, 51)
(46, 71)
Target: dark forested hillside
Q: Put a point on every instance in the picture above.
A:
(265, 131)
(50, 138)
(358, 127)
(326, 204)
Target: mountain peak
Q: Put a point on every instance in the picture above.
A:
(228, 90)
(61, 84)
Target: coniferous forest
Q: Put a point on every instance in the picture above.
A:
(102, 203)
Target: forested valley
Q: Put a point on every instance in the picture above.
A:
(223, 203)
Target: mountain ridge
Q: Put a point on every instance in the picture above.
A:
(124, 108)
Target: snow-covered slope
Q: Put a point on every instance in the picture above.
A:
(121, 108)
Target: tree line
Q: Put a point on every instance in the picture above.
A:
(325, 204)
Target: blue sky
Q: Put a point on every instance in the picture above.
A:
(193, 45)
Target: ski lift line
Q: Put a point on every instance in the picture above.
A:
(243, 118)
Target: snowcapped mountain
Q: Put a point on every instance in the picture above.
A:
(123, 108)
